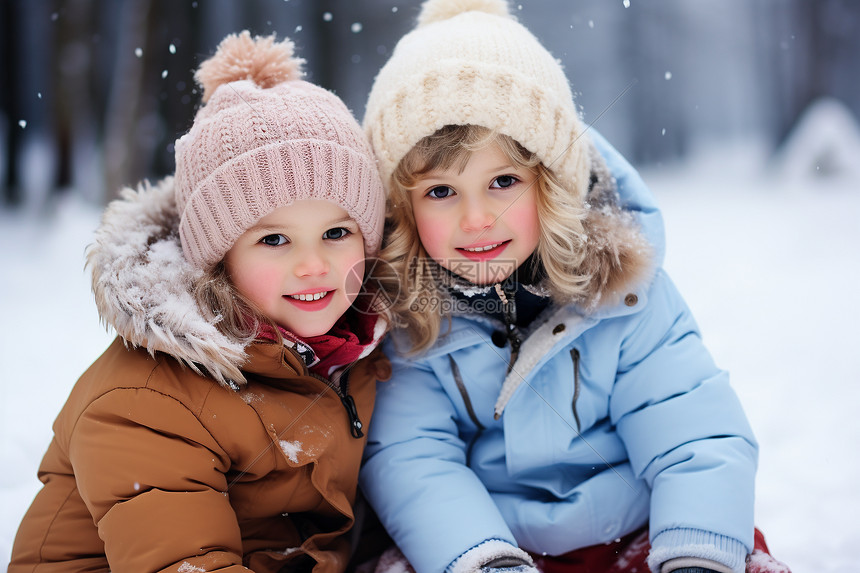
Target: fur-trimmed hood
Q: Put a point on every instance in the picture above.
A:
(618, 256)
(143, 284)
(143, 287)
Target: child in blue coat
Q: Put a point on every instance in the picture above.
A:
(552, 405)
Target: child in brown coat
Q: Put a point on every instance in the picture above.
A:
(223, 429)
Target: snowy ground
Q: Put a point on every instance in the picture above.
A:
(770, 268)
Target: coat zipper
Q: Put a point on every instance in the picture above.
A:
(355, 425)
(342, 390)
(574, 355)
(509, 310)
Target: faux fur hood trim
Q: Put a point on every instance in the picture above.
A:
(143, 285)
(618, 257)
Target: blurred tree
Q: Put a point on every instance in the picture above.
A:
(813, 50)
(5, 100)
(662, 124)
(78, 124)
(33, 147)
(130, 100)
(93, 93)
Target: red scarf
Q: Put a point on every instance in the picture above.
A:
(343, 344)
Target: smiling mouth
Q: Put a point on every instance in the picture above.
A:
(484, 248)
(310, 297)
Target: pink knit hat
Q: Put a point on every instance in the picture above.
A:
(263, 139)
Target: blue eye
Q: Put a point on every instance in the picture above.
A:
(274, 240)
(503, 181)
(440, 192)
(336, 233)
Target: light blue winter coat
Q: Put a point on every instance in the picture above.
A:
(609, 420)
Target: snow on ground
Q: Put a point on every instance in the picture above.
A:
(769, 266)
(771, 269)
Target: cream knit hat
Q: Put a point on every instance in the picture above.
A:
(263, 139)
(471, 62)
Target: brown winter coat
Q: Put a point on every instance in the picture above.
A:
(157, 467)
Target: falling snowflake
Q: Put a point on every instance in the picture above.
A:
(172, 48)
(328, 16)
(356, 27)
(668, 75)
(138, 52)
(23, 123)
(163, 74)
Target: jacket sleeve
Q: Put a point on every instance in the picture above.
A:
(686, 434)
(154, 481)
(415, 474)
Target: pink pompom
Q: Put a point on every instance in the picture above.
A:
(261, 60)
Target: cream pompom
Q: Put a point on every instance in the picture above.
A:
(262, 60)
(439, 10)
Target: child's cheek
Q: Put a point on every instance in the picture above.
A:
(354, 276)
(524, 221)
(433, 235)
(259, 283)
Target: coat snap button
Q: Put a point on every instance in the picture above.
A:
(499, 339)
(558, 328)
(631, 299)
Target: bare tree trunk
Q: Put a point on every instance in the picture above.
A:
(5, 102)
(36, 152)
(836, 46)
(122, 153)
(77, 124)
(661, 132)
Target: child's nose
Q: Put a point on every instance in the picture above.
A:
(476, 216)
(310, 262)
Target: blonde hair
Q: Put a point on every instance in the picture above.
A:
(560, 209)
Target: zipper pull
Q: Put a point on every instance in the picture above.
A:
(509, 310)
(355, 424)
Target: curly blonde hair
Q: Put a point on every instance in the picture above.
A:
(560, 209)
